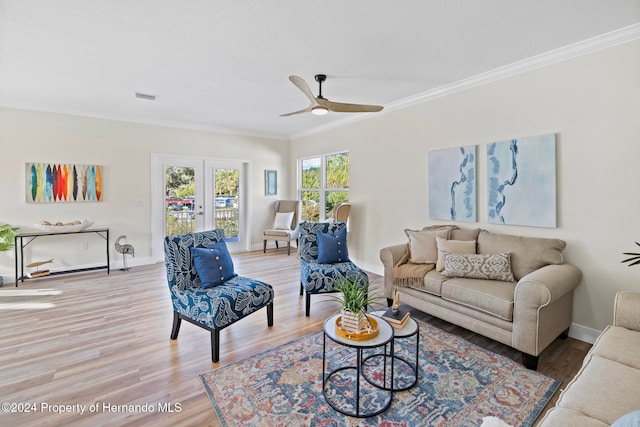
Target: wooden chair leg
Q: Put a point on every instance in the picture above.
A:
(301, 289)
(277, 247)
(270, 314)
(215, 345)
(307, 308)
(264, 247)
(177, 321)
(289, 247)
(530, 362)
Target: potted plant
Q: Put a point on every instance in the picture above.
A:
(354, 299)
(7, 234)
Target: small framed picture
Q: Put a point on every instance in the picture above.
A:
(270, 182)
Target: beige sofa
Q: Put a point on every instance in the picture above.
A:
(606, 387)
(527, 312)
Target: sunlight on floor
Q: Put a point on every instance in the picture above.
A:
(29, 292)
(26, 305)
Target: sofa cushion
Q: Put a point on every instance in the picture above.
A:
(598, 375)
(479, 266)
(527, 253)
(490, 296)
(432, 283)
(618, 344)
(422, 245)
(557, 417)
(464, 233)
(453, 246)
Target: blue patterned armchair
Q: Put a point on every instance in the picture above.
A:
(318, 278)
(216, 307)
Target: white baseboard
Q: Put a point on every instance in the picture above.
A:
(583, 333)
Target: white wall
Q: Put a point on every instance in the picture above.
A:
(124, 150)
(593, 104)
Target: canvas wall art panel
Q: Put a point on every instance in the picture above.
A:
(521, 182)
(63, 183)
(452, 184)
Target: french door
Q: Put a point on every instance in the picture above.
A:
(192, 194)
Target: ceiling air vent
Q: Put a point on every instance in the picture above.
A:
(145, 96)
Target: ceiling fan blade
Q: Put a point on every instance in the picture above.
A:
(303, 86)
(340, 107)
(306, 110)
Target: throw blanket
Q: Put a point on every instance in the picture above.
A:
(409, 274)
(406, 273)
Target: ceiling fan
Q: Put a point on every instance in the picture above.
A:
(320, 105)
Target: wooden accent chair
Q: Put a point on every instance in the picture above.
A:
(216, 306)
(322, 269)
(285, 225)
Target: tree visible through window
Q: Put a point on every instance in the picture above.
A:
(324, 183)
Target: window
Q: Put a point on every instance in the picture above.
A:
(324, 182)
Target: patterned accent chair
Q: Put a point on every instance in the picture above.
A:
(213, 308)
(318, 278)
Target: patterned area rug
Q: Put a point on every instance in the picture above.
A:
(458, 384)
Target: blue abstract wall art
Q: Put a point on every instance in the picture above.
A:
(452, 184)
(522, 181)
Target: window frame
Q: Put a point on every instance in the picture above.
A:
(323, 189)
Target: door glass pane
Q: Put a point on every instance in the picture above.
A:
(179, 184)
(227, 202)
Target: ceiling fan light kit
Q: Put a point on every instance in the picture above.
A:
(319, 111)
(320, 105)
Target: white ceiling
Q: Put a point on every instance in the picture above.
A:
(224, 65)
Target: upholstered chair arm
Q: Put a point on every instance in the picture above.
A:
(390, 257)
(626, 312)
(543, 304)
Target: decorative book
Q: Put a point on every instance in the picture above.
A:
(399, 319)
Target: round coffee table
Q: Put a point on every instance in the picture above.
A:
(342, 388)
(405, 375)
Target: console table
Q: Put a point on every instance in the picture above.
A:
(20, 244)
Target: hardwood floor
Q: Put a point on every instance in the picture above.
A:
(103, 340)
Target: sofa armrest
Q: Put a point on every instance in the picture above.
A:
(390, 257)
(543, 304)
(551, 283)
(626, 311)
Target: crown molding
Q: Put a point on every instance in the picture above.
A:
(584, 47)
(58, 109)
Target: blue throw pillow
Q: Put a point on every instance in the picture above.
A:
(213, 264)
(332, 248)
(632, 419)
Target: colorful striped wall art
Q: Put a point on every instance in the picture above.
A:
(61, 183)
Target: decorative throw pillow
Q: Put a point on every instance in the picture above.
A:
(454, 247)
(422, 245)
(213, 264)
(632, 419)
(283, 221)
(332, 248)
(479, 266)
